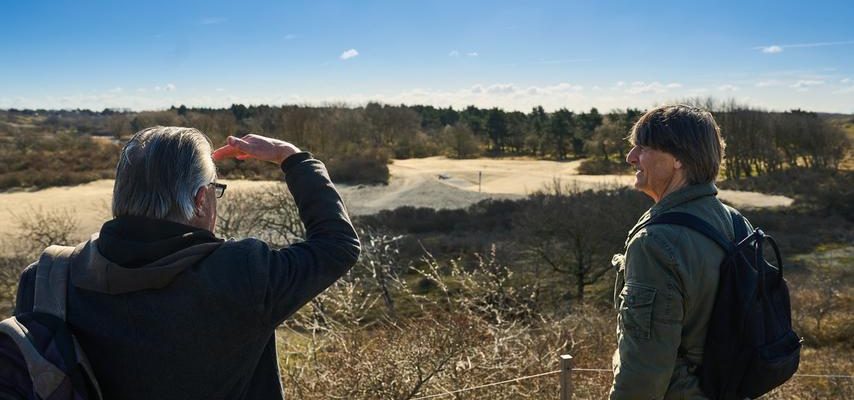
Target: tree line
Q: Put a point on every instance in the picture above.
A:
(358, 142)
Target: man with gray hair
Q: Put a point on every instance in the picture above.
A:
(166, 310)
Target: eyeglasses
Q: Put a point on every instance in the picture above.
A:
(219, 188)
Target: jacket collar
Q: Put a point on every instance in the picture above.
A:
(132, 241)
(672, 200)
(90, 270)
(136, 253)
(682, 196)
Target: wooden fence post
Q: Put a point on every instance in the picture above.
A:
(565, 377)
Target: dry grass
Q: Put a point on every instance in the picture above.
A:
(458, 337)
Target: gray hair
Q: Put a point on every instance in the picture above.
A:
(689, 134)
(159, 172)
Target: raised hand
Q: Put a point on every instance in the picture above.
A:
(257, 147)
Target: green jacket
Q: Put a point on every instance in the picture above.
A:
(665, 290)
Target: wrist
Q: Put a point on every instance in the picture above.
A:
(287, 151)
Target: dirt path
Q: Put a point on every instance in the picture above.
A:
(435, 182)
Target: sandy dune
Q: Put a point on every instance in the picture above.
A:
(435, 182)
(443, 183)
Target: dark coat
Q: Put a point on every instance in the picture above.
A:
(168, 311)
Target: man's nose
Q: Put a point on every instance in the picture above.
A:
(630, 158)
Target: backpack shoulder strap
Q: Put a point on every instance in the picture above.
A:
(694, 223)
(51, 287)
(45, 375)
(739, 225)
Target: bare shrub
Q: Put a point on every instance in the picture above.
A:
(832, 360)
(270, 215)
(475, 324)
(576, 232)
(485, 289)
(822, 310)
(440, 352)
(603, 166)
(40, 229)
(11, 267)
(379, 258)
(393, 362)
(369, 167)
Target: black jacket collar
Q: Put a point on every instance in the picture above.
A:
(132, 241)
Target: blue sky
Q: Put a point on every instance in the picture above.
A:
(511, 54)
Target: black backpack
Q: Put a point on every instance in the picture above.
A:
(39, 356)
(750, 346)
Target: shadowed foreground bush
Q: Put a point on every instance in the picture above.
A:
(475, 326)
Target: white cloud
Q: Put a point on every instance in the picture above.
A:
(508, 96)
(349, 54)
(454, 53)
(806, 83)
(505, 95)
(563, 87)
(165, 88)
(639, 87)
(472, 54)
(116, 90)
(773, 49)
(212, 20)
(501, 88)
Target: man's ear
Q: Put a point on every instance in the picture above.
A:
(677, 164)
(199, 200)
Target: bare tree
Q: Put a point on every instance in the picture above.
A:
(576, 232)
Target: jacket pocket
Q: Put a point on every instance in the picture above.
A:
(636, 310)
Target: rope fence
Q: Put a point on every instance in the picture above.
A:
(432, 396)
(566, 379)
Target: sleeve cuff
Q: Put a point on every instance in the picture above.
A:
(295, 159)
